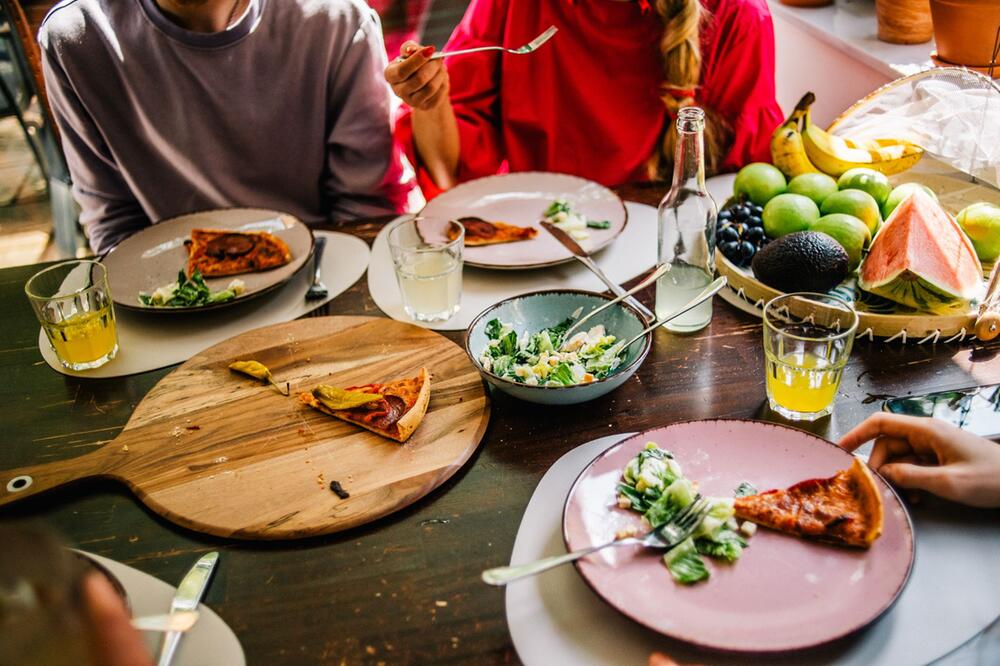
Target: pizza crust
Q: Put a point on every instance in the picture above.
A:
(871, 501)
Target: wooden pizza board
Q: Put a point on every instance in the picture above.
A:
(225, 454)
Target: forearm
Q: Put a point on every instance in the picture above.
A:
(436, 140)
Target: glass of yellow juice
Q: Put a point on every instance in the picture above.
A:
(73, 304)
(807, 341)
(427, 257)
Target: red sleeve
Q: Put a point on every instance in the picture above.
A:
(739, 78)
(475, 86)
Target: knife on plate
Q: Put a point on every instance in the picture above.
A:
(570, 244)
(189, 594)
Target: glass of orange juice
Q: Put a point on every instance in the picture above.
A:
(73, 304)
(807, 341)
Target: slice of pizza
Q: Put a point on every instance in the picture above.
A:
(845, 509)
(218, 252)
(483, 232)
(393, 409)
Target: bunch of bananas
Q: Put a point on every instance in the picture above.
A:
(798, 147)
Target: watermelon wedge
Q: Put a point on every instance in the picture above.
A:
(921, 258)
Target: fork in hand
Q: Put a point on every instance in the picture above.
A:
(667, 535)
(530, 47)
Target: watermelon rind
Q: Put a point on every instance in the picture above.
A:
(908, 288)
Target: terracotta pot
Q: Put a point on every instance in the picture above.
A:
(966, 30)
(904, 21)
(807, 3)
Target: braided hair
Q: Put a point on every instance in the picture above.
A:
(680, 47)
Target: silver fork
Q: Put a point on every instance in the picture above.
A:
(667, 535)
(317, 289)
(521, 50)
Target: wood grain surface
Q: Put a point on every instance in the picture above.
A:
(222, 453)
(406, 589)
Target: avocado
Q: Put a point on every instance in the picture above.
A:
(801, 261)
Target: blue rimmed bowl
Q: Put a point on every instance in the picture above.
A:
(544, 309)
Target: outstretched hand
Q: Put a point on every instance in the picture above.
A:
(923, 453)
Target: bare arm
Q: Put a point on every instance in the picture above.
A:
(424, 85)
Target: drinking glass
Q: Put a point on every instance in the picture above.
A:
(427, 256)
(807, 341)
(73, 304)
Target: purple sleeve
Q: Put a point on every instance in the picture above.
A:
(109, 211)
(363, 164)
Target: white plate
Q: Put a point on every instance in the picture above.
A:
(521, 199)
(209, 641)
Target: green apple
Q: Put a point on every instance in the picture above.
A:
(816, 186)
(981, 223)
(901, 192)
(760, 182)
(866, 180)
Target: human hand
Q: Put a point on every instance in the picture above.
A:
(111, 638)
(419, 81)
(929, 454)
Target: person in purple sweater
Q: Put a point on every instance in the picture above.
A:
(168, 107)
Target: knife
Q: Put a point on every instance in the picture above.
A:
(181, 621)
(570, 244)
(189, 594)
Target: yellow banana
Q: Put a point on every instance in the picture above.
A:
(787, 150)
(835, 155)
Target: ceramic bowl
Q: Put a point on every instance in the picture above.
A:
(543, 309)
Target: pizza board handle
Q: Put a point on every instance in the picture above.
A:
(18, 484)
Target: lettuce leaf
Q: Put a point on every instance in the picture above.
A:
(726, 545)
(684, 563)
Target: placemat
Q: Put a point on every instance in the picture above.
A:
(952, 595)
(150, 341)
(209, 641)
(632, 254)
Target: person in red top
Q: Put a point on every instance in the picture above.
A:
(597, 99)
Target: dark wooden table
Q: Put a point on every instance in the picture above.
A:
(406, 589)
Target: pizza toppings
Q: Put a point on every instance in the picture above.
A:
(392, 409)
(230, 246)
(483, 232)
(217, 252)
(257, 371)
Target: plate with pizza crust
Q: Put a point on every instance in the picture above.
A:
(152, 257)
(519, 200)
(785, 592)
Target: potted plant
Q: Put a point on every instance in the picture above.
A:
(966, 31)
(904, 21)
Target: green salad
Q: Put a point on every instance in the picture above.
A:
(654, 485)
(561, 214)
(545, 359)
(188, 292)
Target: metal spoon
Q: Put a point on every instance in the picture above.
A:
(639, 287)
(706, 294)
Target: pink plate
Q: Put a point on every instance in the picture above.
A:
(784, 593)
(520, 199)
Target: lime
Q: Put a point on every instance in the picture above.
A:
(901, 192)
(849, 231)
(981, 223)
(866, 180)
(788, 213)
(857, 203)
(760, 182)
(816, 186)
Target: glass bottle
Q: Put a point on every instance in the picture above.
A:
(687, 229)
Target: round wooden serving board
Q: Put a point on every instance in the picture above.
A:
(225, 454)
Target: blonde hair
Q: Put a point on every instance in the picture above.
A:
(680, 47)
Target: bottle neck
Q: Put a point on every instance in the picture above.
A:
(689, 159)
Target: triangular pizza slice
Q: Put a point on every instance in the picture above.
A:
(218, 252)
(483, 232)
(392, 409)
(846, 508)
